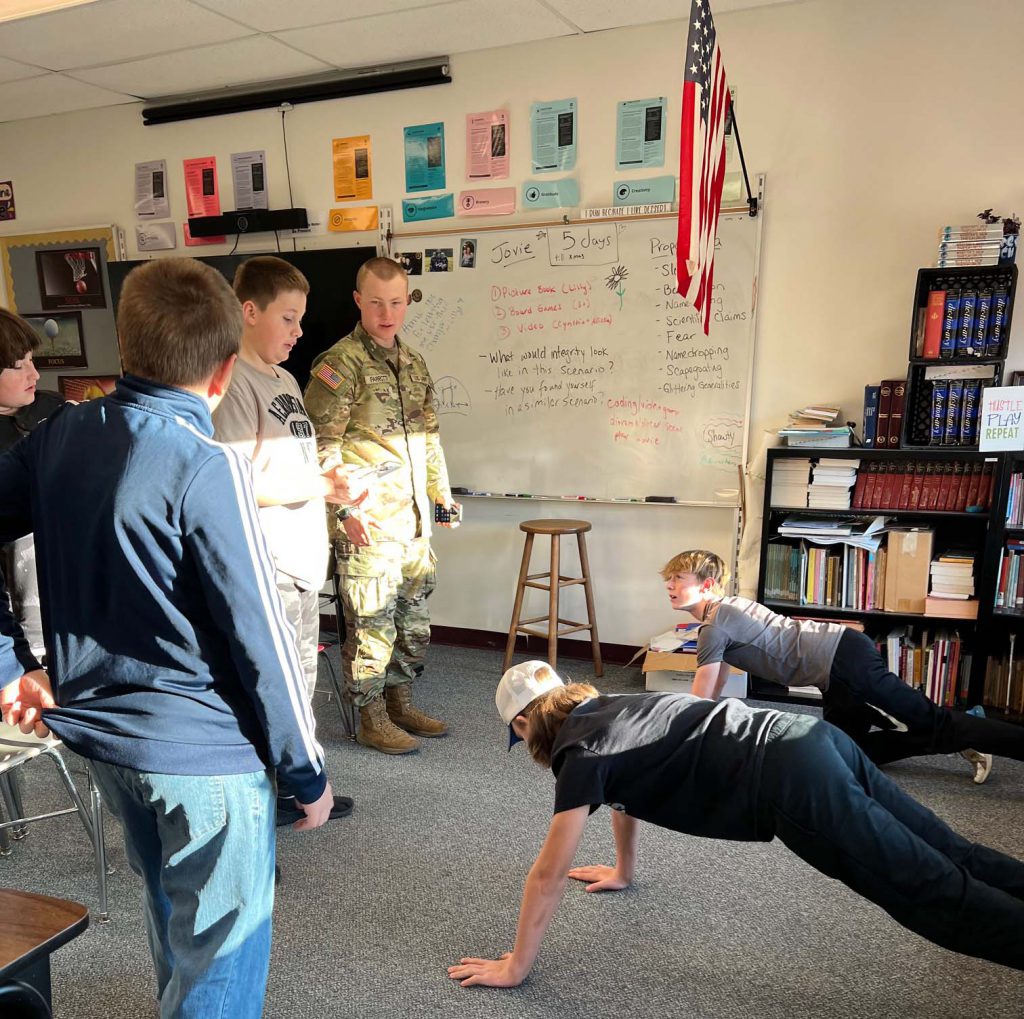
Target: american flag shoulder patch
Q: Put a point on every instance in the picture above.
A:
(328, 376)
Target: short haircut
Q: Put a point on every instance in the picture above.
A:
(547, 713)
(177, 321)
(263, 278)
(702, 564)
(17, 338)
(383, 268)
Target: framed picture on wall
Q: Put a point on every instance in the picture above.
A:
(70, 278)
(86, 387)
(61, 344)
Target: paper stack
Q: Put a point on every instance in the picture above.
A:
(831, 483)
(815, 426)
(789, 482)
(952, 576)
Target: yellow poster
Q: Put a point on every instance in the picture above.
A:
(358, 217)
(353, 169)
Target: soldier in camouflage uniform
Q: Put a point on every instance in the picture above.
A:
(370, 400)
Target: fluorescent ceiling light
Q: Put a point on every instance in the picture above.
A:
(12, 10)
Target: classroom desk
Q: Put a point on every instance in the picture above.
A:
(32, 928)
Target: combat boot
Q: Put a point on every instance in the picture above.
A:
(378, 731)
(404, 715)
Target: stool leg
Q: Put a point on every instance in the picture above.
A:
(595, 644)
(556, 566)
(524, 569)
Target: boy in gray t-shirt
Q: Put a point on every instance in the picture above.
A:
(842, 662)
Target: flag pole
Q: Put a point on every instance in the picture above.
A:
(751, 200)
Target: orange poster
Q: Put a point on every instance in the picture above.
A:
(353, 169)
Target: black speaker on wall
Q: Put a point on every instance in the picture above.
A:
(248, 221)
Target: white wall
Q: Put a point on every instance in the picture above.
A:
(876, 122)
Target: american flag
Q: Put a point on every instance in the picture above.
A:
(702, 159)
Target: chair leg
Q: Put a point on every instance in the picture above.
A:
(556, 567)
(524, 569)
(83, 812)
(100, 846)
(588, 593)
(5, 839)
(11, 806)
(19, 806)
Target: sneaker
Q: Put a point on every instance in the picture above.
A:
(288, 811)
(982, 764)
(277, 874)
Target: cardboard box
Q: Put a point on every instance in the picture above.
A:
(908, 557)
(673, 672)
(957, 608)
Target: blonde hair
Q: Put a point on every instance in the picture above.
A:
(547, 713)
(178, 320)
(702, 564)
(383, 268)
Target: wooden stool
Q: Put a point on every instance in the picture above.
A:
(555, 582)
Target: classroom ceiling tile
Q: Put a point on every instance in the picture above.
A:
(598, 15)
(273, 15)
(103, 33)
(52, 93)
(443, 29)
(257, 58)
(12, 70)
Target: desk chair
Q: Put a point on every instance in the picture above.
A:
(16, 750)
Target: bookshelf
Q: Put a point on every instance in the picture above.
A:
(1003, 683)
(951, 527)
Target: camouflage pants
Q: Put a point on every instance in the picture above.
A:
(384, 591)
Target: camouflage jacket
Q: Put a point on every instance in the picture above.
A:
(364, 412)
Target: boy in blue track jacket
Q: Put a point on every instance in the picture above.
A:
(176, 672)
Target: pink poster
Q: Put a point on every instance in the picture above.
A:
(201, 190)
(486, 202)
(487, 145)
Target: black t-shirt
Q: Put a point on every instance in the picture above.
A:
(680, 762)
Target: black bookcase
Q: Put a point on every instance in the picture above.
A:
(917, 413)
(963, 529)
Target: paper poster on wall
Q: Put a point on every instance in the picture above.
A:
(7, 200)
(487, 145)
(640, 134)
(424, 158)
(202, 192)
(551, 194)
(249, 175)
(151, 201)
(1002, 418)
(435, 207)
(487, 202)
(553, 134)
(644, 192)
(156, 237)
(356, 218)
(353, 168)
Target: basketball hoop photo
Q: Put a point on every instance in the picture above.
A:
(70, 278)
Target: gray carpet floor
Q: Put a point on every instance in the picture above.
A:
(430, 867)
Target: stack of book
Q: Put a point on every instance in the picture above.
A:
(883, 414)
(972, 244)
(937, 667)
(939, 485)
(1004, 682)
(1010, 586)
(1015, 502)
(789, 482)
(839, 576)
(831, 481)
(815, 426)
(952, 586)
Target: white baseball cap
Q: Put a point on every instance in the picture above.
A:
(519, 686)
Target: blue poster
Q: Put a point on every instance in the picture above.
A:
(647, 191)
(435, 207)
(640, 134)
(424, 158)
(551, 194)
(553, 130)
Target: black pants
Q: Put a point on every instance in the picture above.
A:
(860, 678)
(822, 797)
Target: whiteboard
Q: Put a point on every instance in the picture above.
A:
(565, 364)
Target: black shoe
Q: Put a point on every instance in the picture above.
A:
(277, 874)
(288, 811)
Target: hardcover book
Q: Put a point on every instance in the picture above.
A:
(871, 394)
